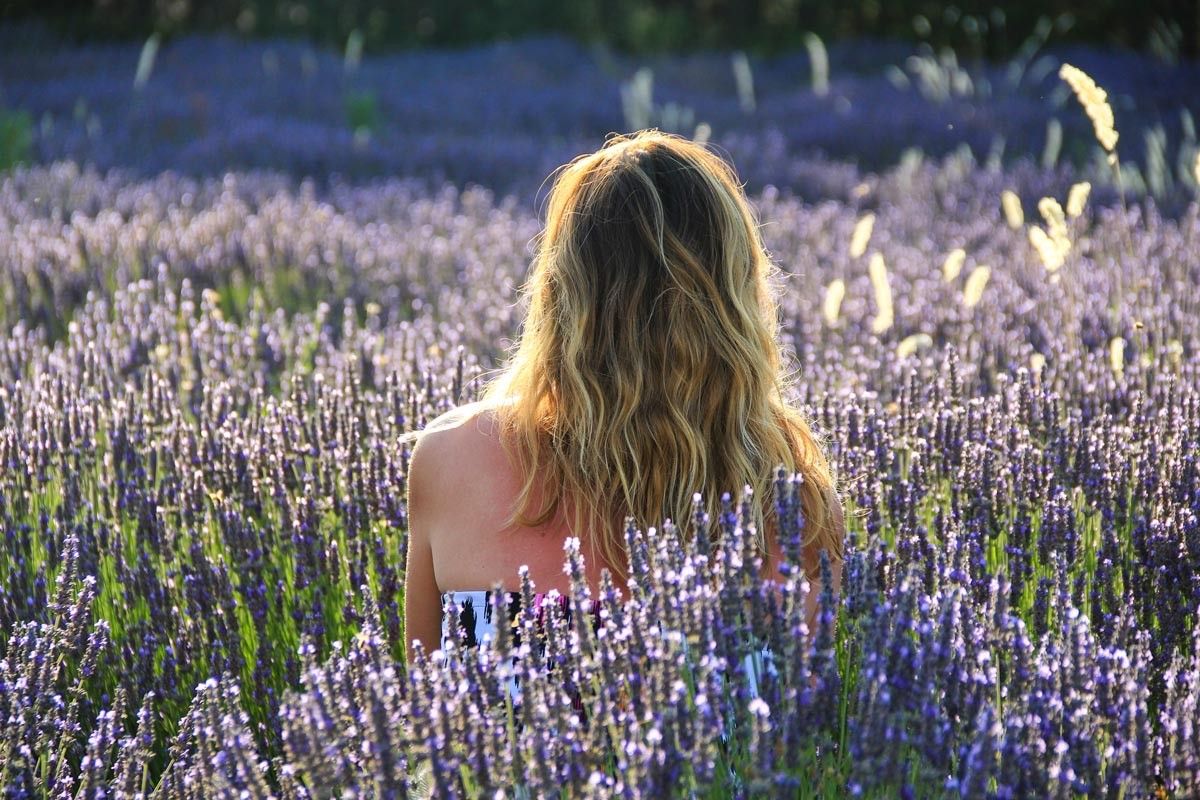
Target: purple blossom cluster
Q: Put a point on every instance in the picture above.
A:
(503, 115)
(204, 382)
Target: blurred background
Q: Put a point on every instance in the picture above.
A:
(992, 29)
(498, 93)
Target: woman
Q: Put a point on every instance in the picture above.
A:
(648, 369)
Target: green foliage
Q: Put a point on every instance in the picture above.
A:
(16, 138)
(362, 111)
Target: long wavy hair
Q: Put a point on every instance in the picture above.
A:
(649, 367)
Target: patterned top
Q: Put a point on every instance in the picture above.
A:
(472, 614)
(473, 621)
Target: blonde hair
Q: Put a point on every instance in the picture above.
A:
(649, 367)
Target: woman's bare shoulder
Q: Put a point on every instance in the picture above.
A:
(461, 421)
(458, 442)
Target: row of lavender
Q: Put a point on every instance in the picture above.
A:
(202, 387)
(504, 115)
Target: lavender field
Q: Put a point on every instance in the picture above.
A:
(234, 274)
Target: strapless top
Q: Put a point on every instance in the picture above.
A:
(473, 618)
(470, 616)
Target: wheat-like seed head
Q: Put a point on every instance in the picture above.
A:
(877, 269)
(1049, 250)
(953, 264)
(911, 344)
(862, 235)
(1077, 198)
(1116, 354)
(1094, 101)
(1056, 224)
(1014, 215)
(976, 281)
(1052, 212)
(1174, 352)
(832, 307)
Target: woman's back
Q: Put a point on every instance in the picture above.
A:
(648, 372)
(472, 486)
(465, 485)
